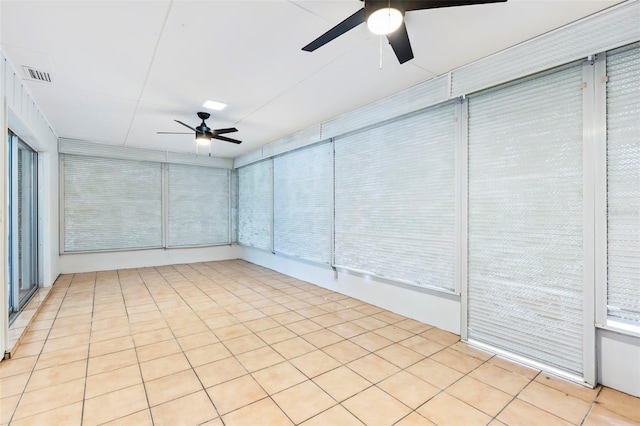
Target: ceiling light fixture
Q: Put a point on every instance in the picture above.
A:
(202, 139)
(218, 106)
(384, 21)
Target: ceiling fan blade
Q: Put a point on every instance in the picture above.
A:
(344, 26)
(173, 133)
(433, 4)
(223, 131)
(185, 125)
(226, 139)
(399, 40)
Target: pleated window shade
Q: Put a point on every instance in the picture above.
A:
(623, 184)
(255, 204)
(395, 199)
(111, 204)
(303, 202)
(525, 219)
(198, 206)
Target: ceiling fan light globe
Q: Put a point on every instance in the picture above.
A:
(384, 21)
(202, 139)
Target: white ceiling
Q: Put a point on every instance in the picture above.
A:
(124, 70)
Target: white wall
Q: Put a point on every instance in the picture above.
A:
(432, 307)
(619, 361)
(89, 262)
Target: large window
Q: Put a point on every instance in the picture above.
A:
(525, 254)
(23, 224)
(303, 203)
(623, 187)
(395, 199)
(255, 205)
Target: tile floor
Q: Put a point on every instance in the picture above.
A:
(231, 343)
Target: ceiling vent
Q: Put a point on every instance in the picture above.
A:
(37, 75)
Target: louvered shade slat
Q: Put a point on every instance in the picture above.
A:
(255, 204)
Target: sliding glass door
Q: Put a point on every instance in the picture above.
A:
(23, 229)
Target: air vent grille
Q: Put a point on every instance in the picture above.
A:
(34, 74)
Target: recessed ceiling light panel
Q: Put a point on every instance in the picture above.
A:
(218, 106)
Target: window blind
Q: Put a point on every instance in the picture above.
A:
(395, 199)
(623, 183)
(198, 206)
(111, 204)
(255, 204)
(525, 219)
(303, 203)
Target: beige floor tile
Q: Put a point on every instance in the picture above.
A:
(236, 393)
(413, 325)
(278, 377)
(276, 334)
(471, 351)
(435, 373)
(457, 360)
(113, 380)
(249, 315)
(347, 330)
(244, 344)
(259, 358)
(414, 419)
(373, 368)
(114, 405)
(315, 400)
(274, 309)
(111, 361)
(314, 363)
(158, 350)
(345, 351)
(220, 371)
(620, 403)
(185, 330)
(153, 336)
(109, 323)
(400, 355)
(582, 392)
(56, 375)
(375, 407)
(514, 367)
(232, 331)
(207, 354)
(192, 409)
(141, 418)
(110, 346)
(555, 402)
(394, 333)
(519, 413)
(371, 341)
(164, 366)
(600, 416)
(35, 336)
(66, 415)
(341, 383)
(440, 336)
(479, 395)
(49, 398)
(303, 327)
(444, 409)
(328, 319)
(336, 415)
(322, 338)
(197, 340)
(66, 342)
(264, 412)
(422, 345)
(28, 349)
(13, 385)
(408, 389)
(287, 317)
(171, 387)
(7, 408)
(369, 323)
(261, 324)
(64, 356)
(12, 367)
(500, 378)
(109, 333)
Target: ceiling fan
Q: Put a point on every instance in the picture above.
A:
(204, 133)
(385, 17)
